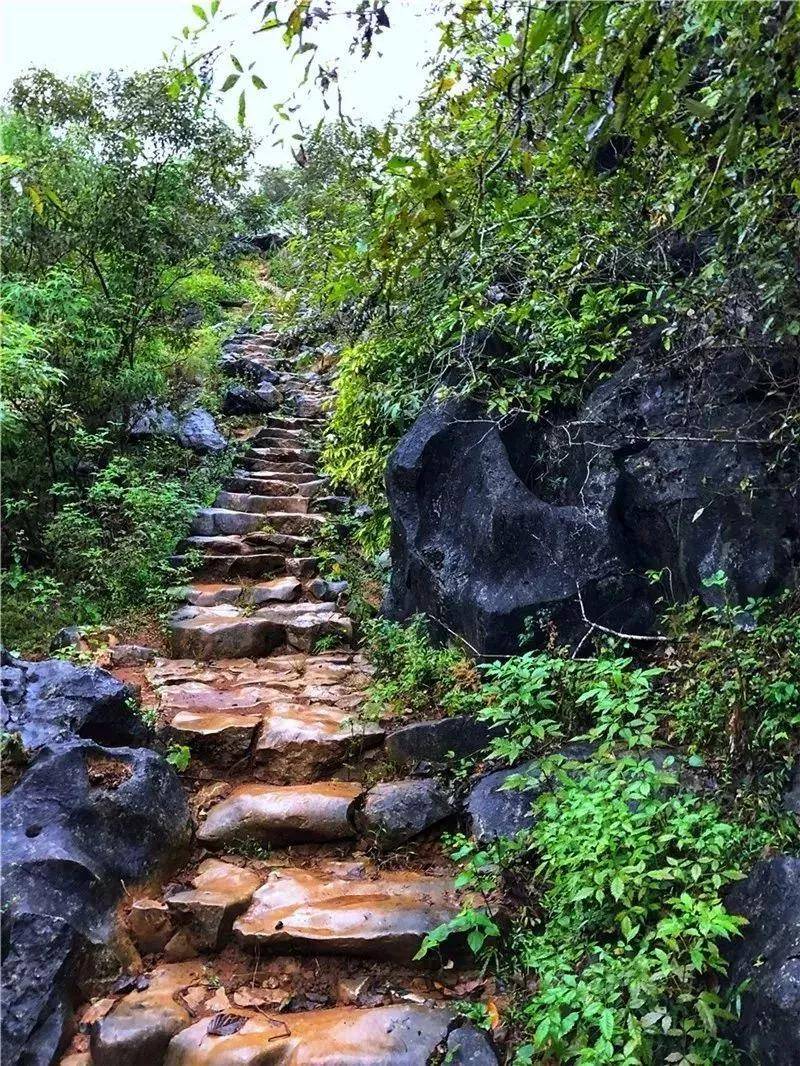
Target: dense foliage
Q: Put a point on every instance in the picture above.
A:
(117, 195)
(616, 893)
(579, 179)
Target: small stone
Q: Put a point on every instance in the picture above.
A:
(301, 566)
(437, 740)
(469, 1047)
(131, 654)
(180, 948)
(149, 925)
(350, 990)
(137, 1031)
(219, 1002)
(318, 588)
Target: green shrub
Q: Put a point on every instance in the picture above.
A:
(413, 675)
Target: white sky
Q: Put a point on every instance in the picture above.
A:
(76, 36)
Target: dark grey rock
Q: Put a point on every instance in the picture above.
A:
(767, 956)
(243, 366)
(68, 637)
(496, 811)
(496, 523)
(241, 400)
(363, 510)
(131, 654)
(332, 504)
(791, 801)
(150, 419)
(469, 1047)
(198, 431)
(434, 741)
(395, 811)
(51, 701)
(83, 822)
(307, 406)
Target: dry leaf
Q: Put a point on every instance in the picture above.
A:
(219, 1001)
(226, 1024)
(247, 997)
(97, 1011)
(493, 1013)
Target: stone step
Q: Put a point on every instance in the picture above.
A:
(298, 477)
(214, 567)
(347, 908)
(278, 590)
(217, 521)
(291, 436)
(270, 466)
(220, 892)
(212, 521)
(276, 815)
(220, 544)
(256, 504)
(403, 1034)
(284, 455)
(269, 485)
(226, 632)
(291, 740)
(293, 422)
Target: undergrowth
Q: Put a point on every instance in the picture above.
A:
(606, 918)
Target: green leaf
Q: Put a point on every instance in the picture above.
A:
(240, 113)
(198, 10)
(606, 1023)
(506, 40)
(258, 82)
(229, 82)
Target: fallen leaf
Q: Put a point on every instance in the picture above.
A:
(219, 1001)
(246, 997)
(226, 1024)
(493, 1013)
(130, 982)
(97, 1011)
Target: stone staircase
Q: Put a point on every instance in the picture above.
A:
(290, 937)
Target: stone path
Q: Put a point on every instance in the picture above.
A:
(289, 938)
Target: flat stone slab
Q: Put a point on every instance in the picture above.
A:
(139, 1028)
(398, 1035)
(220, 892)
(282, 815)
(221, 737)
(347, 908)
(221, 633)
(300, 739)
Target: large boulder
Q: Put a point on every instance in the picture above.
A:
(52, 701)
(198, 431)
(83, 822)
(241, 400)
(497, 522)
(767, 957)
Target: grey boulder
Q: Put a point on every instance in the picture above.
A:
(395, 811)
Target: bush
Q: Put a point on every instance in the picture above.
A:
(413, 675)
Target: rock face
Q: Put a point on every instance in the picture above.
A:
(495, 523)
(196, 429)
(768, 957)
(83, 821)
(52, 701)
